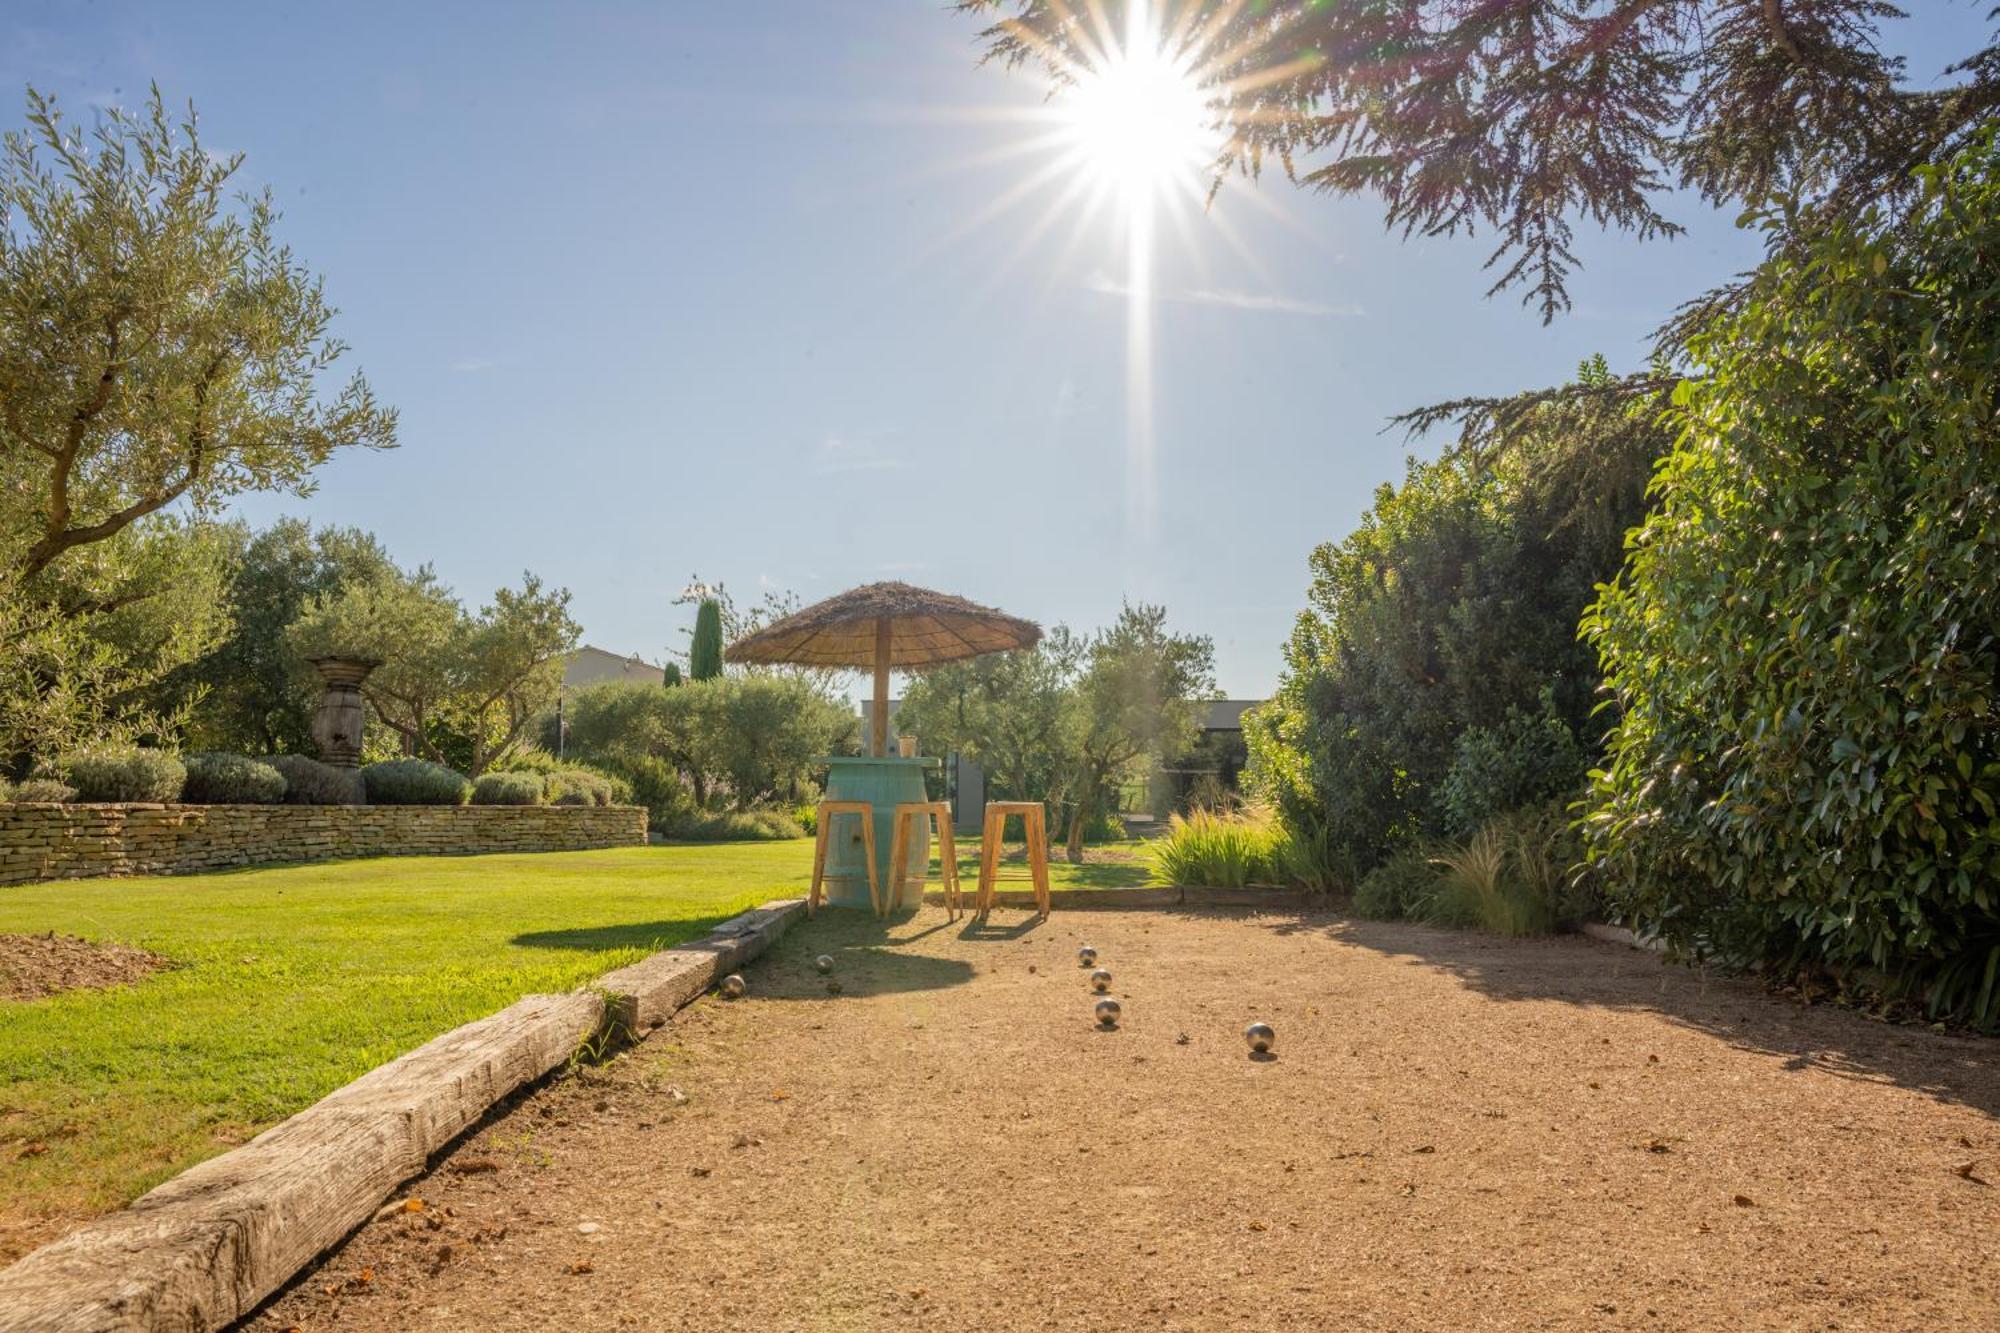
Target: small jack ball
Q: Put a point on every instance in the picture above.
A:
(1260, 1036)
(733, 986)
(824, 962)
(1086, 956)
(1100, 981)
(1108, 1012)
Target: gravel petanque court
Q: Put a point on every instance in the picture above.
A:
(1456, 1132)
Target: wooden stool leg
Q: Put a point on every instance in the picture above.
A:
(819, 861)
(989, 842)
(1038, 857)
(899, 856)
(948, 862)
(868, 850)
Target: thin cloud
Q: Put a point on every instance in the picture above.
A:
(1231, 298)
(837, 454)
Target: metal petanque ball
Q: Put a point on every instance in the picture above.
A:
(733, 987)
(1086, 957)
(824, 962)
(1100, 981)
(1108, 1011)
(1260, 1036)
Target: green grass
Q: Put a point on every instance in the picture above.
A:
(291, 981)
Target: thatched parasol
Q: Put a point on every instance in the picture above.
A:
(885, 626)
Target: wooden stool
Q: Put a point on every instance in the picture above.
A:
(921, 814)
(827, 810)
(1035, 830)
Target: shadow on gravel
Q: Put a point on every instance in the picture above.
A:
(1573, 969)
(870, 957)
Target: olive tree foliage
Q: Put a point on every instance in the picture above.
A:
(1072, 717)
(157, 343)
(1523, 118)
(746, 738)
(257, 694)
(160, 352)
(1802, 646)
(457, 687)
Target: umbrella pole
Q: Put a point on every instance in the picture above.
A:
(881, 716)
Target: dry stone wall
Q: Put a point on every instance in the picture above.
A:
(80, 841)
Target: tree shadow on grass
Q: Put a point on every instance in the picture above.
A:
(654, 935)
(1741, 1011)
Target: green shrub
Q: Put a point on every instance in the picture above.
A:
(1806, 765)
(578, 786)
(1215, 849)
(122, 773)
(1313, 860)
(806, 815)
(231, 779)
(1479, 886)
(732, 826)
(413, 782)
(1399, 888)
(1530, 757)
(42, 790)
(507, 789)
(309, 782)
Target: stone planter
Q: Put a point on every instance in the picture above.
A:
(336, 727)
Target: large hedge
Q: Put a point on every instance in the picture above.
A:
(1436, 676)
(1803, 646)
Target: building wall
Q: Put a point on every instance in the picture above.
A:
(39, 842)
(594, 666)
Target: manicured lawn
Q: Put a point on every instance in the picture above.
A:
(288, 982)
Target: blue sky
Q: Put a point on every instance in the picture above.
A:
(662, 289)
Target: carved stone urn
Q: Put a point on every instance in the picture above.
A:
(336, 727)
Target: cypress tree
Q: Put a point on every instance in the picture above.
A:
(671, 676)
(705, 653)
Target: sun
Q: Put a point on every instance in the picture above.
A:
(1139, 122)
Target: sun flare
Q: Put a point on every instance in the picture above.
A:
(1140, 122)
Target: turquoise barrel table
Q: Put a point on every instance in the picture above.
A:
(884, 783)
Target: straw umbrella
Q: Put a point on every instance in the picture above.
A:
(883, 627)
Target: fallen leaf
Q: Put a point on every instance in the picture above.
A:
(698, 1171)
(365, 1275)
(1744, 1201)
(413, 1205)
(475, 1166)
(1965, 1172)
(779, 1094)
(1657, 1145)
(580, 1267)
(1428, 1147)
(1258, 1226)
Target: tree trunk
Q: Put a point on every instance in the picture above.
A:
(1086, 806)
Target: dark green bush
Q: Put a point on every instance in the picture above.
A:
(1529, 758)
(309, 782)
(43, 790)
(1806, 769)
(413, 782)
(231, 779)
(1399, 888)
(1453, 605)
(507, 789)
(121, 773)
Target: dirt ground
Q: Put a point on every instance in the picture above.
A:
(34, 966)
(1455, 1133)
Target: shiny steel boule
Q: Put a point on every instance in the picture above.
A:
(733, 986)
(1086, 957)
(1260, 1036)
(1108, 1012)
(1100, 981)
(824, 962)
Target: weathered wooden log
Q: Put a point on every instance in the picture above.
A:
(204, 1249)
(648, 992)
